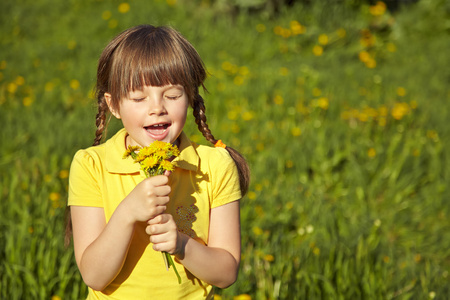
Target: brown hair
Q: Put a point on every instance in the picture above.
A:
(156, 56)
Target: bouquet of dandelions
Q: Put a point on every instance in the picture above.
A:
(154, 160)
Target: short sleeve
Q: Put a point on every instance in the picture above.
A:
(84, 185)
(225, 179)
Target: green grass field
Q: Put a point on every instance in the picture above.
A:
(340, 109)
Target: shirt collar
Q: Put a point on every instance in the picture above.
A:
(115, 148)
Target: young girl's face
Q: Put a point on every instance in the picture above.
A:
(153, 113)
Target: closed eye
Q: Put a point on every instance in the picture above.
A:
(175, 97)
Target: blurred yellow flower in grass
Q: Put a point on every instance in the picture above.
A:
(171, 2)
(378, 9)
(269, 257)
(284, 71)
(242, 297)
(289, 164)
(74, 84)
(323, 103)
(317, 50)
(56, 297)
(297, 28)
(113, 23)
(323, 39)
(27, 101)
(20, 80)
(296, 131)
(106, 15)
(12, 87)
(251, 195)
(49, 86)
(63, 174)
(54, 196)
(260, 28)
(400, 110)
(391, 47)
(278, 99)
(257, 231)
(124, 7)
(371, 152)
(401, 91)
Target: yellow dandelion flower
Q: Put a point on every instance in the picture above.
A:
(371, 152)
(12, 87)
(54, 196)
(296, 131)
(364, 56)
(74, 84)
(260, 28)
(19, 80)
(248, 115)
(233, 115)
(149, 162)
(130, 149)
(124, 7)
(244, 71)
(251, 195)
(242, 297)
(113, 23)
(238, 80)
(316, 251)
(297, 28)
(400, 110)
(27, 101)
(269, 257)
(371, 63)
(289, 164)
(278, 30)
(378, 9)
(56, 297)
(284, 71)
(323, 103)
(217, 297)
(323, 39)
(49, 86)
(278, 99)
(63, 174)
(391, 47)
(257, 231)
(317, 50)
(401, 91)
(106, 15)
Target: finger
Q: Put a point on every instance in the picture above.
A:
(167, 173)
(158, 180)
(159, 219)
(163, 190)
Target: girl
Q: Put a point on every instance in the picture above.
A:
(148, 77)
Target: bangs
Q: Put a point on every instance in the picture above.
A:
(156, 57)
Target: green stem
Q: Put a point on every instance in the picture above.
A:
(171, 263)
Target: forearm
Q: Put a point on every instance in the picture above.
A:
(213, 265)
(103, 259)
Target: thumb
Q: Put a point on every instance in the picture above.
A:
(167, 173)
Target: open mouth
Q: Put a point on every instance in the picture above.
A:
(157, 129)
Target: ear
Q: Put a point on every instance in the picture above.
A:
(108, 99)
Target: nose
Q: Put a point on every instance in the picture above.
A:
(156, 107)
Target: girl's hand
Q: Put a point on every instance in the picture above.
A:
(164, 234)
(148, 199)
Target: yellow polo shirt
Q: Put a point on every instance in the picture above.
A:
(204, 178)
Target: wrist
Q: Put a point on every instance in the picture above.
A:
(182, 240)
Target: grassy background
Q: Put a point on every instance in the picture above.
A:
(341, 110)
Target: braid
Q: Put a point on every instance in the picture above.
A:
(200, 119)
(100, 120)
(101, 123)
(241, 164)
